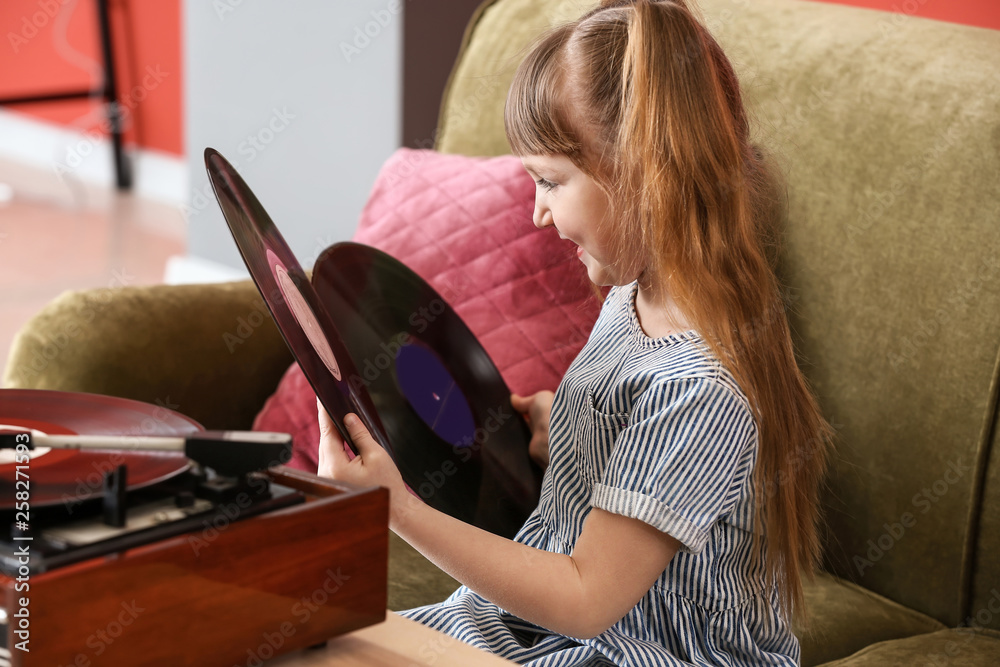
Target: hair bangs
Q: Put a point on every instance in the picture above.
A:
(534, 115)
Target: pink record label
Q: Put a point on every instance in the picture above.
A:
(303, 314)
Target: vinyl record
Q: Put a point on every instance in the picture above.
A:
(302, 321)
(69, 476)
(452, 431)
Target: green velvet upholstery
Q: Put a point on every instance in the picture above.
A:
(211, 352)
(888, 131)
(961, 647)
(984, 606)
(895, 256)
(847, 618)
(413, 580)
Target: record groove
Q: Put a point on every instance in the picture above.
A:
(373, 338)
(70, 477)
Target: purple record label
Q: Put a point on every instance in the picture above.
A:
(434, 395)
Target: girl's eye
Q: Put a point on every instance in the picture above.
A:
(548, 185)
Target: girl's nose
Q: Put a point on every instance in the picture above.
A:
(542, 217)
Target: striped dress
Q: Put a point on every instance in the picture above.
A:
(657, 430)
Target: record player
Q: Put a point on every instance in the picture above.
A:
(129, 557)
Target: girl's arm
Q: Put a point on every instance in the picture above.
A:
(614, 563)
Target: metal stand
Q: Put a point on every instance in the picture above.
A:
(108, 91)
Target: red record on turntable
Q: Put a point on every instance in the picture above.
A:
(72, 476)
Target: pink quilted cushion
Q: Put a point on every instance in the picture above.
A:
(464, 225)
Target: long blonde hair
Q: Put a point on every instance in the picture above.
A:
(641, 97)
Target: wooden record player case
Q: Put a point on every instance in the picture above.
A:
(250, 590)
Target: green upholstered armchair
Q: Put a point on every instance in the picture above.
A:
(888, 130)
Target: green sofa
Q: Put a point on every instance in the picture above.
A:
(888, 130)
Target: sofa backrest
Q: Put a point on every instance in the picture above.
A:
(888, 130)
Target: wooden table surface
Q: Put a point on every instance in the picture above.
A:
(397, 641)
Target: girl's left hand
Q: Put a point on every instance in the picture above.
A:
(371, 467)
(536, 408)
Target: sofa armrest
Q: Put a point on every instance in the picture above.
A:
(965, 646)
(211, 352)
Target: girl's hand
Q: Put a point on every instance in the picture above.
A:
(537, 409)
(371, 467)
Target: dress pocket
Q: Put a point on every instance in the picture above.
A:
(597, 438)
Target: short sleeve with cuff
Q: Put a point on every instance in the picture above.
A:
(682, 459)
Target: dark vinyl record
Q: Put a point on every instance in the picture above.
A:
(303, 322)
(69, 476)
(452, 431)
(437, 404)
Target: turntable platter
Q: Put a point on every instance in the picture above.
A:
(73, 476)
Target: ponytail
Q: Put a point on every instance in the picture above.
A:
(668, 140)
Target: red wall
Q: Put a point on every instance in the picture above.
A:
(981, 13)
(53, 44)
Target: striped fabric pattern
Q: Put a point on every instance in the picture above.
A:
(654, 429)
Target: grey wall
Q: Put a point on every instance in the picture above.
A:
(303, 96)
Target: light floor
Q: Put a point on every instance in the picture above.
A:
(61, 235)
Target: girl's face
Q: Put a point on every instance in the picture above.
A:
(569, 200)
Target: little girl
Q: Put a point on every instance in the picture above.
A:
(679, 507)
